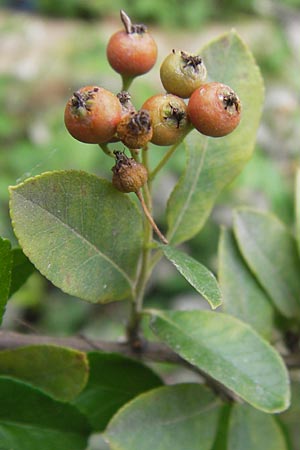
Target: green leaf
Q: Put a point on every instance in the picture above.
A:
(290, 418)
(113, 381)
(250, 429)
(80, 232)
(242, 295)
(196, 274)
(21, 270)
(229, 351)
(30, 420)
(222, 432)
(177, 417)
(5, 273)
(60, 372)
(271, 253)
(213, 162)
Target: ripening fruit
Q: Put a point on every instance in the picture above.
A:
(135, 129)
(128, 174)
(133, 51)
(92, 115)
(214, 109)
(169, 118)
(181, 73)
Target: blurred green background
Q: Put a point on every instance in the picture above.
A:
(49, 48)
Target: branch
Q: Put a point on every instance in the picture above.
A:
(154, 352)
(148, 351)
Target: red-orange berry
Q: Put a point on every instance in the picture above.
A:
(133, 51)
(214, 109)
(181, 73)
(169, 118)
(92, 115)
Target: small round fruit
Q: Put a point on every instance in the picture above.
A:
(135, 129)
(128, 174)
(214, 109)
(92, 115)
(181, 73)
(133, 51)
(169, 118)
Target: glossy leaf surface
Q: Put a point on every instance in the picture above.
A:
(30, 420)
(271, 253)
(213, 162)
(60, 372)
(5, 273)
(250, 429)
(229, 351)
(113, 381)
(242, 295)
(80, 233)
(183, 416)
(196, 274)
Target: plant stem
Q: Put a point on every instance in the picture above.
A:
(126, 82)
(166, 157)
(150, 218)
(106, 150)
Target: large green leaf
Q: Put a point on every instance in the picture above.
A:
(229, 351)
(250, 429)
(79, 232)
(21, 270)
(271, 253)
(60, 372)
(196, 274)
(213, 162)
(183, 416)
(113, 381)
(30, 420)
(5, 273)
(242, 295)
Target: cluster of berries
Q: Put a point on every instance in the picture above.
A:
(95, 115)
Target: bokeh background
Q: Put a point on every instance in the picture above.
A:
(49, 48)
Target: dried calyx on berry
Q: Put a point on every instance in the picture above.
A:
(169, 118)
(128, 174)
(135, 129)
(126, 104)
(181, 73)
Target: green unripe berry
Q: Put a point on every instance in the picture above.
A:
(181, 73)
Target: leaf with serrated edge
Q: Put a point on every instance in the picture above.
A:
(184, 416)
(242, 295)
(213, 162)
(271, 253)
(80, 232)
(250, 429)
(60, 372)
(229, 351)
(196, 274)
(5, 273)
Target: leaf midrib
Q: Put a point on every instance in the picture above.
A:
(80, 237)
(191, 192)
(174, 325)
